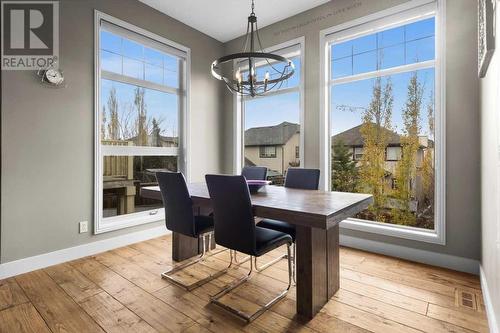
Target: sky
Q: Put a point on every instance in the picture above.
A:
(393, 47)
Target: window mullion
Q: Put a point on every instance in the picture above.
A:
(141, 83)
(384, 72)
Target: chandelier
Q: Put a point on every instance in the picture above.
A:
(243, 73)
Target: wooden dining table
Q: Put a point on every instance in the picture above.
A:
(316, 216)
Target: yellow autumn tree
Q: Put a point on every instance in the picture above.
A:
(428, 161)
(142, 118)
(375, 131)
(113, 125)
(407, 166)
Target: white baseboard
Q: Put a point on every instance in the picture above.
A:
(490, 311)
(53, 258)
(426, 257)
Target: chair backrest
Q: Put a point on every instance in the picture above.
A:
(305, 179)
(254, 172)
(234, 223)
(179, 216)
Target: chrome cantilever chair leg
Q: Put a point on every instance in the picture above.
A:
(236, 261)
(284, 256)
(170, 274)
(235, 284)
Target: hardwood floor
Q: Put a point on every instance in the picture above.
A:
(121, 291)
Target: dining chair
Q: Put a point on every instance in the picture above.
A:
(179, 217)
(234, 226)
(254, 172)
(299, 178)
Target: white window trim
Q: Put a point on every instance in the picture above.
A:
(383, 21)
(238, 106)
(139, 218)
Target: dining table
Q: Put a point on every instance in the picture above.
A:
(316, 215)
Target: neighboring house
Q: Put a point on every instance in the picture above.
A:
(353, 139)
(157, 140)
(275, 147)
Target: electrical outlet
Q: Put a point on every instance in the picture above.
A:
(84, 226)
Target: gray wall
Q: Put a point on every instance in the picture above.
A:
(462, 98)
(47, 134)
(490, 169)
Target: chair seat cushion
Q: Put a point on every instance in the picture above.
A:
(287, 228)
(267, 240)
(203, 224)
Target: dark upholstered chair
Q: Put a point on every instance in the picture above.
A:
(235, 229)
(306, 179)
(254, 172)
(179, 217)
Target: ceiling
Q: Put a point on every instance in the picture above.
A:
(226, 19)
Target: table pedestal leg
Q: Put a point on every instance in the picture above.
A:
(317, 268)
(185, 247)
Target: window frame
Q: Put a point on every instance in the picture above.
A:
(387, 154)
(412, 11)
(102, 224)
(263, 152)
(239, 107)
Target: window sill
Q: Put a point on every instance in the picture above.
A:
(417, 234)
(127, 221)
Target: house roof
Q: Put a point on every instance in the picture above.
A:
(271, 135)
(169, 139)
(248, 162)
(352, 137)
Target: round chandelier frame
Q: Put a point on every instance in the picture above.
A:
(244, 80)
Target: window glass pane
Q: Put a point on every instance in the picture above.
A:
(364, 62)
(138, 61)
(111, 42)
(153, 73)
(393, 153)
(171, 63)
(420, 29)
(402, 181)
(267, 151)
(153, 57)
(341, 50)
(135, 116)
(391, 37)
(123, 178)
(364, 44)
(132, 49)
(386, 49)
(133, 68)
(341, 67)
(111, 62)
(358, 153)
(392, 56)
(272, 126)
(294, 81)
(171, 79)
(273, 70)
(420, 50)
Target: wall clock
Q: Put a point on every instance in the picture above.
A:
(51, 76)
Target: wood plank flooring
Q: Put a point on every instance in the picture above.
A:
(121, 291)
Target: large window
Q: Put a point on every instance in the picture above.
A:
(384, 120)
(271, 124)
(141, 101)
